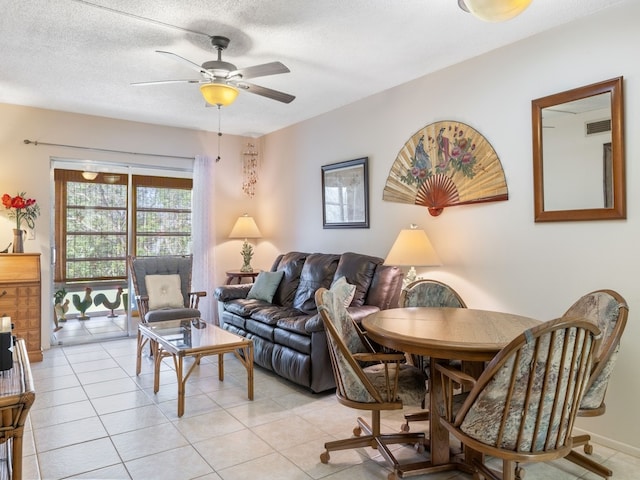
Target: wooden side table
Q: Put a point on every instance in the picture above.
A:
(231, 274)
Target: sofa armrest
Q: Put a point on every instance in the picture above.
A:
(232, 292)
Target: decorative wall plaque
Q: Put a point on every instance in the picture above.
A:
(445, 164)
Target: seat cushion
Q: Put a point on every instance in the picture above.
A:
(171, 314)
(412, 382)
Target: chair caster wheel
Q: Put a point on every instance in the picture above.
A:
(588, 449)
(392, 476)
(420, 448)
(519, 473)
(404, 427)
(357, 431)
(324, 457)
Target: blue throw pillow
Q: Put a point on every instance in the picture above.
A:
(265, 286)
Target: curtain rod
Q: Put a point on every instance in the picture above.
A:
(36, 143)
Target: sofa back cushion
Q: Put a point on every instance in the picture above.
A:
(358, 270)
(291, 264)
(318, 271)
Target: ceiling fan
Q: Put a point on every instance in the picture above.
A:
(221, 81)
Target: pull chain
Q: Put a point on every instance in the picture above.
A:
(219, 135)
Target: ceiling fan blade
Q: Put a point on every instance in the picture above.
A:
(266, 92)
(189, 63)
(272, 68)
(160, 82)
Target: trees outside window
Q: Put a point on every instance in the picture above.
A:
(92, 222)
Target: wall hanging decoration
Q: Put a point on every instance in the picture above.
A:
(445, 164)
(249, 170)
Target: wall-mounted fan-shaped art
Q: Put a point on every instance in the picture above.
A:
(444, 164)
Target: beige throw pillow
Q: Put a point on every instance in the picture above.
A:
(343, 290)
(164, 291)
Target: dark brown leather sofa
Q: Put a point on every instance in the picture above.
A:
(288, 334)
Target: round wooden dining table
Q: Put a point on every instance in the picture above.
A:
(473, 336)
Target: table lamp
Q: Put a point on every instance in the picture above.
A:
(412, 247)
(245, 227)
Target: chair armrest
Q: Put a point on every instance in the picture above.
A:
(452, 378)
(379, 357)
(194, 298)
(456, 375)
(198, 294)
(143, 305)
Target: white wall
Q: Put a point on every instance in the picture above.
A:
(494, 254)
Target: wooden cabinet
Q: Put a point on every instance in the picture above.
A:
(20, 298)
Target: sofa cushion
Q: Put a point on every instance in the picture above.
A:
(359, 271)
(291, 264)
(245, 307)
(300, 343)
(258, 328)
(272, 314)
(318, 271)
(295, 323)
(265, 286)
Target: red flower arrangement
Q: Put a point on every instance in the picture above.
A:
(22, 209)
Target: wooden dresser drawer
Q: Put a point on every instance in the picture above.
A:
(21, 298)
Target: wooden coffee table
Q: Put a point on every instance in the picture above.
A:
(195, 338)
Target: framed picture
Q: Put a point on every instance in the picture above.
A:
(345, 194)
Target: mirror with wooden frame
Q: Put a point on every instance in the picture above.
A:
(578, 154)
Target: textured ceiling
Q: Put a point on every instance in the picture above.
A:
(81, 56)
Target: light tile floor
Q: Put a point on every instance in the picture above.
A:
(97, 328)
(94, 419)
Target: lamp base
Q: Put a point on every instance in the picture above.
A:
(246, 268)
(410, 277)
(247, 255)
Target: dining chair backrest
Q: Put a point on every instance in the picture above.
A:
(344, 340)
(609, 310)
(525, 401)
(430, 293)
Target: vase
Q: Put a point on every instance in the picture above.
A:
(18, 240)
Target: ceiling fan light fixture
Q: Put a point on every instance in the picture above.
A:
(494, 10)
(219, 94)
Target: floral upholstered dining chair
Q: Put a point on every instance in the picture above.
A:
(609, 311)
(523, 406)
(367, 380)
(426, 293)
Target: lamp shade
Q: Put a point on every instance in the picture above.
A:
(219, 93)
(245, 227)
(412, 248)
(494, 10)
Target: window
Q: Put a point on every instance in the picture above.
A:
(162, 215)
(92, 234)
